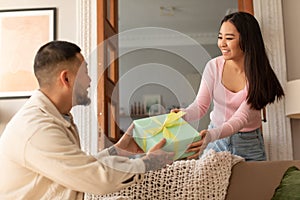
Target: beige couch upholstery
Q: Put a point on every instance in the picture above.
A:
(257, 180)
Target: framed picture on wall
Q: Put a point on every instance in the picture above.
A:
(22, 33)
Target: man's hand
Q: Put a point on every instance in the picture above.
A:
(126, 146)
(199, 146)
(156, 158)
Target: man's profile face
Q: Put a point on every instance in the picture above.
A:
(81, 85)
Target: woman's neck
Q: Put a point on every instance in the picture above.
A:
(236, 65)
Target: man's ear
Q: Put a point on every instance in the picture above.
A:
(65, 78)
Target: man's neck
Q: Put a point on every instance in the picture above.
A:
(59, 102)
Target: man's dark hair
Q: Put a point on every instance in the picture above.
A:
(50, 55)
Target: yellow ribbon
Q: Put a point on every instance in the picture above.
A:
(170, 121)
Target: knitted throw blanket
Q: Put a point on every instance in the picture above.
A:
(205, 179)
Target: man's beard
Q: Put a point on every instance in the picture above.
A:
(81, 98)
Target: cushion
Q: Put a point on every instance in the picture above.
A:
(289, 187)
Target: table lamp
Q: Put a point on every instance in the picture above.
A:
(292, 99)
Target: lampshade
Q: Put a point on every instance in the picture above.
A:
(292, 99)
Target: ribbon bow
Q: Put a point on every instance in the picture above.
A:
(170, 121)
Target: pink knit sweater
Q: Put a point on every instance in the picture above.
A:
(231, 113)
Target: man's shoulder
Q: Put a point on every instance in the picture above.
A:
(28, 121)
(31, 112)
(32, 118)
(39, 109)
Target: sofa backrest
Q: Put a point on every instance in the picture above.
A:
(257, 180)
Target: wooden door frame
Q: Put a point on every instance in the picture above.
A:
(107, 108)
(246, 6)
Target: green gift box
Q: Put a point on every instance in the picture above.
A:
(179, 134)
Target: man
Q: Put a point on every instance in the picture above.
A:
(40, 150)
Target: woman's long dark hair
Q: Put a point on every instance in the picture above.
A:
(264, 87)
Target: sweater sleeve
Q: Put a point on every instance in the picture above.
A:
(238, 120)
(200, 106)
(50, 152)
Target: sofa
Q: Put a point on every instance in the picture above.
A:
(257, 180)
(216, 176)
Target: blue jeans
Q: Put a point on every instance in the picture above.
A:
(249, 145)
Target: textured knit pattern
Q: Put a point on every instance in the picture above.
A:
(205, 179)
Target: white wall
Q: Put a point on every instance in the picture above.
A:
(161, 70)
(66, 30)
(291, 17)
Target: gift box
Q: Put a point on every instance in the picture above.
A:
(179, 134)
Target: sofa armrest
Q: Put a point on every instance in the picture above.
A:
(257, 180)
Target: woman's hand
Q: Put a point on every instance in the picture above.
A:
(199, 146)
(176, 110)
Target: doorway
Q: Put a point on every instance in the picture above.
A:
(151, 33)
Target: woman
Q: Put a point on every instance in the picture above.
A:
(239, 83)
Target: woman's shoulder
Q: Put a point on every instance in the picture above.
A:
(216, 63)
